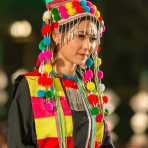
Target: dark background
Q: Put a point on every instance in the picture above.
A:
(124, 54)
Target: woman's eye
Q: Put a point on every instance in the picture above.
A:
(81, 36)
(93, 39)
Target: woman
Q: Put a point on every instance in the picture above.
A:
(60, 104)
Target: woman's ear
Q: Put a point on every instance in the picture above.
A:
(56, 36)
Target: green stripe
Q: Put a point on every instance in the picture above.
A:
(93, 131)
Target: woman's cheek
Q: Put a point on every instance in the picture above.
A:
(94, 45)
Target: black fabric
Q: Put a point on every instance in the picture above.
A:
(107, 143)
(20, 119)
(80, 131)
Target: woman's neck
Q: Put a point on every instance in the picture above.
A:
(63, 66)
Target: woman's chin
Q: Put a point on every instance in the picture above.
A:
(80, 62)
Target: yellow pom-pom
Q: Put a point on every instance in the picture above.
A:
(99, 61)
(98, 13)
(68, 5)
(71, 12)
(47, 68)
(90, 86)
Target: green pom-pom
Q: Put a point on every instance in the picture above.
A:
(57, 17)
(49, 94)
(106, 112)
(95, 111)
(54, 11)
(42, 46)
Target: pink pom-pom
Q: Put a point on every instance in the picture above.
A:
(49, 106)
(48, 54)
(88, 75)
(64, 15)
(62, 8)
(100, 74)
(104, 29)
(63, 12)
(89, 4)
(41, 56)
(92, 10)
(38, 62)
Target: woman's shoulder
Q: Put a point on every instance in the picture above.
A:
(20, 92)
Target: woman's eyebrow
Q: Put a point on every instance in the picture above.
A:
(83, 31)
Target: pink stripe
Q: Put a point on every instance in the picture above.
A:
(65, 106)
(42, 109)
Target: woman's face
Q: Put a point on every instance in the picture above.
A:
(86, 38)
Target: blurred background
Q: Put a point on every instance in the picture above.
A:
(124, 54)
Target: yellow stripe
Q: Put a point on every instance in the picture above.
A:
(58, 87)
(33, 85)
(46, 127)
(99, 132)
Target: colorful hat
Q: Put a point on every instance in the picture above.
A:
(63, 11)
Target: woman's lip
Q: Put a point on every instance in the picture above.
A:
(83, 55)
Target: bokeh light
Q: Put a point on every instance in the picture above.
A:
(3, 80)
(21, 29)
(139, 122)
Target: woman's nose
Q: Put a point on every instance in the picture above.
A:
(87, 44)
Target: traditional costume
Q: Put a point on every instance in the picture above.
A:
(52, 110)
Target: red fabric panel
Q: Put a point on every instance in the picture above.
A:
(53, 143)
(70, 142)
(48, 143)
